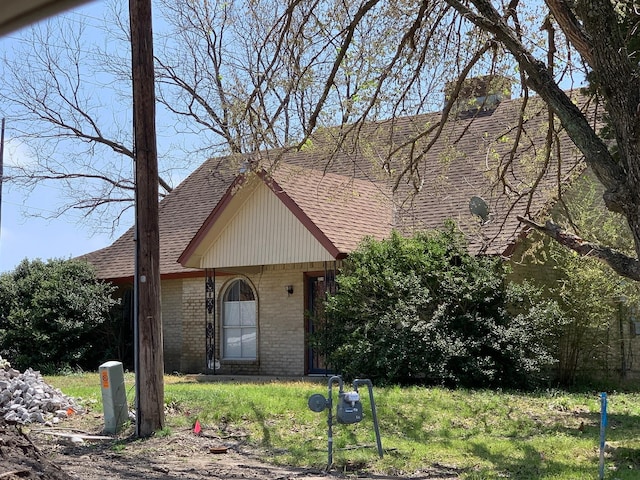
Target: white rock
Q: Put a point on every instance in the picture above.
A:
(11, 417)
(26, 397)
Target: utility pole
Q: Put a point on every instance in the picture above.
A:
(149, 356)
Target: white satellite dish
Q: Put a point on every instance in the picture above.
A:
(480, 208)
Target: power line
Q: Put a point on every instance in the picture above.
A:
(43, 211)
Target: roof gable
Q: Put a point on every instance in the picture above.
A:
(294, 215)
(255, 228)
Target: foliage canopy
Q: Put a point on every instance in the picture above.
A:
(592, 334)
(422, 310)
(51, 313)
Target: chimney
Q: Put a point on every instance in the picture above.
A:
(479, 94)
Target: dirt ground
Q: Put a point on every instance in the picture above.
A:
(47, 453)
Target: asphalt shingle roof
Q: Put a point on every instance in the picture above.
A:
(346, 209)
(352, 190)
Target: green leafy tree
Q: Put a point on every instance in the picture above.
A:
(591, 297)
(422, 310)
(51, 313)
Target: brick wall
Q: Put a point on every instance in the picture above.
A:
(171, 291)
(281, 321)
(193, 325)
(183, 325)
(280, 331)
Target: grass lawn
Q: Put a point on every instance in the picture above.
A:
(487, 434)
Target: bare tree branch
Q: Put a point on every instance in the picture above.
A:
(575, 123)
(245, 78)
(622, 264)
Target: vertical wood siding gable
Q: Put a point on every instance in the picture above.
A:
(263, 232)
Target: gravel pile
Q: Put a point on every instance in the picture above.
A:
(27, 398)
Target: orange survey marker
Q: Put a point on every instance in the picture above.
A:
(105, 379)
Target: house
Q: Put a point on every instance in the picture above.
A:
(248, 244)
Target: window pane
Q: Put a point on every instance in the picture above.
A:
(248, 343)
(233, 343)
(233, 292)
(239, 322)
(247, 313)
(245, 292)
(231, 314)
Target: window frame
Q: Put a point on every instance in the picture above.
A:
(244, 329)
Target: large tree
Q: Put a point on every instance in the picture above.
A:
(243, 76)
(53, 315)
(604, 33)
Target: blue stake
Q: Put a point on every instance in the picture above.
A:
(603, 427)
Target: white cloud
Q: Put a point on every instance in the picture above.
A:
(17, 154)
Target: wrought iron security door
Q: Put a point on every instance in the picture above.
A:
(318, 286)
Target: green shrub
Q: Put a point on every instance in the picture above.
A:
(50, 313)
(422, 310)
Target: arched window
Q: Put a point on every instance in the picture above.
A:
(239, 322)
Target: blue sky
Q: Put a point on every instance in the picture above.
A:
(23, 235)
(24, 232)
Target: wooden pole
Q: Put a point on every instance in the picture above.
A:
(150, 361)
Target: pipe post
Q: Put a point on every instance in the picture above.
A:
(374, 414)
(335, 378)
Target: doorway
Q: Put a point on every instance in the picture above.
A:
(317, 286)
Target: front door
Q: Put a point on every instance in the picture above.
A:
(315, 321)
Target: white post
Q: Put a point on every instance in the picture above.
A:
(114, 396)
